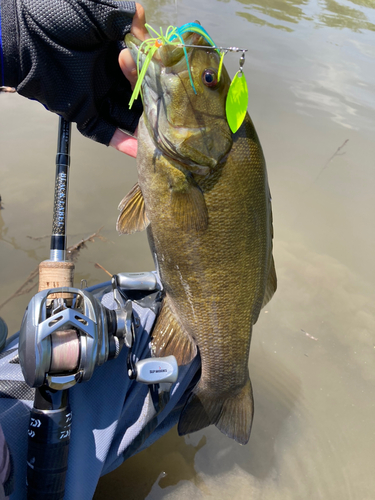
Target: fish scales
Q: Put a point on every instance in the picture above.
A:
(227, 281)
(210, 231)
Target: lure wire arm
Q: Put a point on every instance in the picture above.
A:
(242, 61)
(213, 47)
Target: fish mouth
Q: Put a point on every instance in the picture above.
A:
(167, 58)
(167, 55)
(166, 71)
(154, 110)
(150, 87)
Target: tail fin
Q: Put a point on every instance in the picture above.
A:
(232, 416)
(237, 415)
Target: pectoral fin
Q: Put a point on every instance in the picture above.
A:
(169, 337)
(133, 214)
(188, 205)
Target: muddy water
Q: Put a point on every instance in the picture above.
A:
(311, 76)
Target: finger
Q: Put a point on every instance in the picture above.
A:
(138, 25)
(124, 143)
(128, 66)
(138, 29)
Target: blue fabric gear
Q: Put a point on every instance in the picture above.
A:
(113, 417)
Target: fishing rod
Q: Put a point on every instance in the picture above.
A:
(51, 417)
(65, 333)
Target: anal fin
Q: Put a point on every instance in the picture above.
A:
(169, 337)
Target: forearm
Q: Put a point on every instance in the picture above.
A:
(8, 41)
(64, 27)
(64, 54)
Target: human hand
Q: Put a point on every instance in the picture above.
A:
(65, 55)
(121, 141)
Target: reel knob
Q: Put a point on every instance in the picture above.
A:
(155, 370)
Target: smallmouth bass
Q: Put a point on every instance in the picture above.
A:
(203, 195)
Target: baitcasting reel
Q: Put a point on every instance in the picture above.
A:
(67, 332)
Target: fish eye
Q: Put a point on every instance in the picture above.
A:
(209, 78)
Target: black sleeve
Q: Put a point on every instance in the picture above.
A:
(64, 54)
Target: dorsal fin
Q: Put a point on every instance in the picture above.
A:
(133, 214)
(271, 283)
